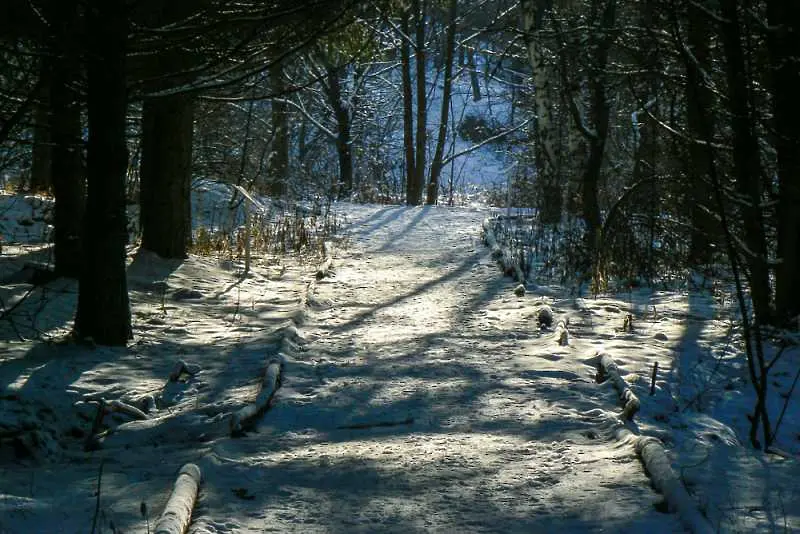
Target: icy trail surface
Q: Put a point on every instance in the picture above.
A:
(426, 401)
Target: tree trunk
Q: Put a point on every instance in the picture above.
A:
(546, 133)
(67, 174)
(699, 105)
(473, 76)
(747, 164)
(343, 126)
(599, 113)
(422, 98)
(103, 307)
(41, 159)
(784, 48)
(279, 158)
(450, 46)
(166, 174)
(412, 189)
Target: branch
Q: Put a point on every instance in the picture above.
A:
(328, 132)
(486, 141)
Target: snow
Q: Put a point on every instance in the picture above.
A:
(417, 393)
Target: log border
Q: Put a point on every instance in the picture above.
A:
(177, 512)
(653, 455)
(607, 367)
(651, 451)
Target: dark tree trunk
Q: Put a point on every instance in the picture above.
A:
(343, 127)
(699, 105)
(599, 113)
(41, 159)
(422, 98)
(473, 76)
(65, 120)
(450, 45)
(279, 158)
(103, 307)
(747, 164)
(165, 175)
(784, 48)
(412, 188)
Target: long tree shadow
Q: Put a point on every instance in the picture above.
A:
(466, 265)
(408, 227)
(350, 493)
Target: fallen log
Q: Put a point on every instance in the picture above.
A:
(607, 369)
(178, 511)
(269, 385)
(664, 479)
(651, 452)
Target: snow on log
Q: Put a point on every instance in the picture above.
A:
(652, 454)
(269, 385)
(178, 511)
(607, 368)
(322, 270)
(121, 407)
(561, 333)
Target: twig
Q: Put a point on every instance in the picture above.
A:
(653, 379)
(97, 503)
(785, 405)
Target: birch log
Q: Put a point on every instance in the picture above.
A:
(652, 454)
(608, 368)
(178, 511)
(269, 386)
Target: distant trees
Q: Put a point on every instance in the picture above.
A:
(702, 89)
(687, 154)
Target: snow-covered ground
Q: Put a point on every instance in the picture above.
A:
(418, 394)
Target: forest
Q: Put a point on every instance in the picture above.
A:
(621, 144)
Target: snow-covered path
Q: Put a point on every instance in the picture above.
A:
(418, 395)
(426, 401)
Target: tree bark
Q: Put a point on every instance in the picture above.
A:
(66, 164)
(546, 135)
(784, 48)
(699, 105)
(747, 163)
(103, 307)
(166, 174)
(473, 76)
(421, 140)
(597, 133)
(343, 127)
(450, 46)
(41, 158)
(412, 189)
